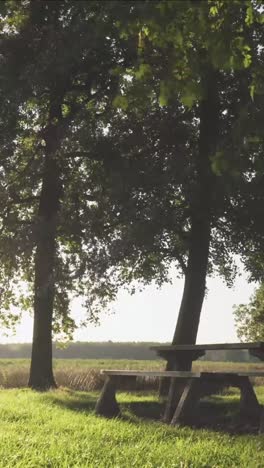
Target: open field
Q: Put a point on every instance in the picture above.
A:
(58, 429)
(83, 374)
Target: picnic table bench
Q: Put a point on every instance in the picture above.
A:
(187, 387)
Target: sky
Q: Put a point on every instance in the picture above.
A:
(151, 315)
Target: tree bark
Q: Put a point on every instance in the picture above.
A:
(201, 217)
(41, 374)
(200, 232)
(195, 282)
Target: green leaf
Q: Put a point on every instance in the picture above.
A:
(252, 91)
(164, 93)
(213, 11)
(247, 60)
(188, 99)
(120, 102)
(249, 15)
(261, 19)
(219, 163)
(178, 38)
(190, 94)
(116, 71)
(144, 71)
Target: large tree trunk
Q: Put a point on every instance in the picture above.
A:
(201, 216)
(192, 301)
(200, 220)
(200, 232)
(41, 374)
(195, 282)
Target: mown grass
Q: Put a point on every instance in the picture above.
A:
(59, 429)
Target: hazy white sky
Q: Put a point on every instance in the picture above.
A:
(151, 315)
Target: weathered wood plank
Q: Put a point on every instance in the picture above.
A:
(258, 353)
(233, 373)
(249, 404)
(261, 425)
(127, 373)
(258, 345)
(252, 374)
(176, 389)
(188, 403)
(107, 404)
(179, 374)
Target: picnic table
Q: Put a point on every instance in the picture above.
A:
(183, 396)
(187, 387)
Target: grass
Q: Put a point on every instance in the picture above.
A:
(127, 364)
(58, 429)
(83, 374)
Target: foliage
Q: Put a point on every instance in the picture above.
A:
(158, 131)
(128, 81)
(249, 317)
(72, 77)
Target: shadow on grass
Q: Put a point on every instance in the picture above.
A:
(146, 409)
(82, 402)
(214, 413)
(218, 414)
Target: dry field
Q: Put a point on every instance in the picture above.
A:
(84, 374)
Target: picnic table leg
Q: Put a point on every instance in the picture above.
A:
(107, 404)
(176, 386)
(182, 363)
(185, 409)
(261, 424)
(249, 404)
(176, 389)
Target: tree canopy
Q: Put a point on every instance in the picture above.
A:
(131, 140)
(200, 64)
(51, 186)
(249, 318)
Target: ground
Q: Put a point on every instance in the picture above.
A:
(59, 429)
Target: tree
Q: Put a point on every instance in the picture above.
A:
(193, 77)
(249, 318)
(50, 184)
(184, 51)
(126, 167)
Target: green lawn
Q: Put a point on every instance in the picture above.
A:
(59, 429)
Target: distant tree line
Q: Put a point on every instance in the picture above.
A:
(110, 350)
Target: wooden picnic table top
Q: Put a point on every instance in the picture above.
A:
(191, 352)
(259, 345)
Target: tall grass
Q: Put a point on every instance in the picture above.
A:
(85, 375)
